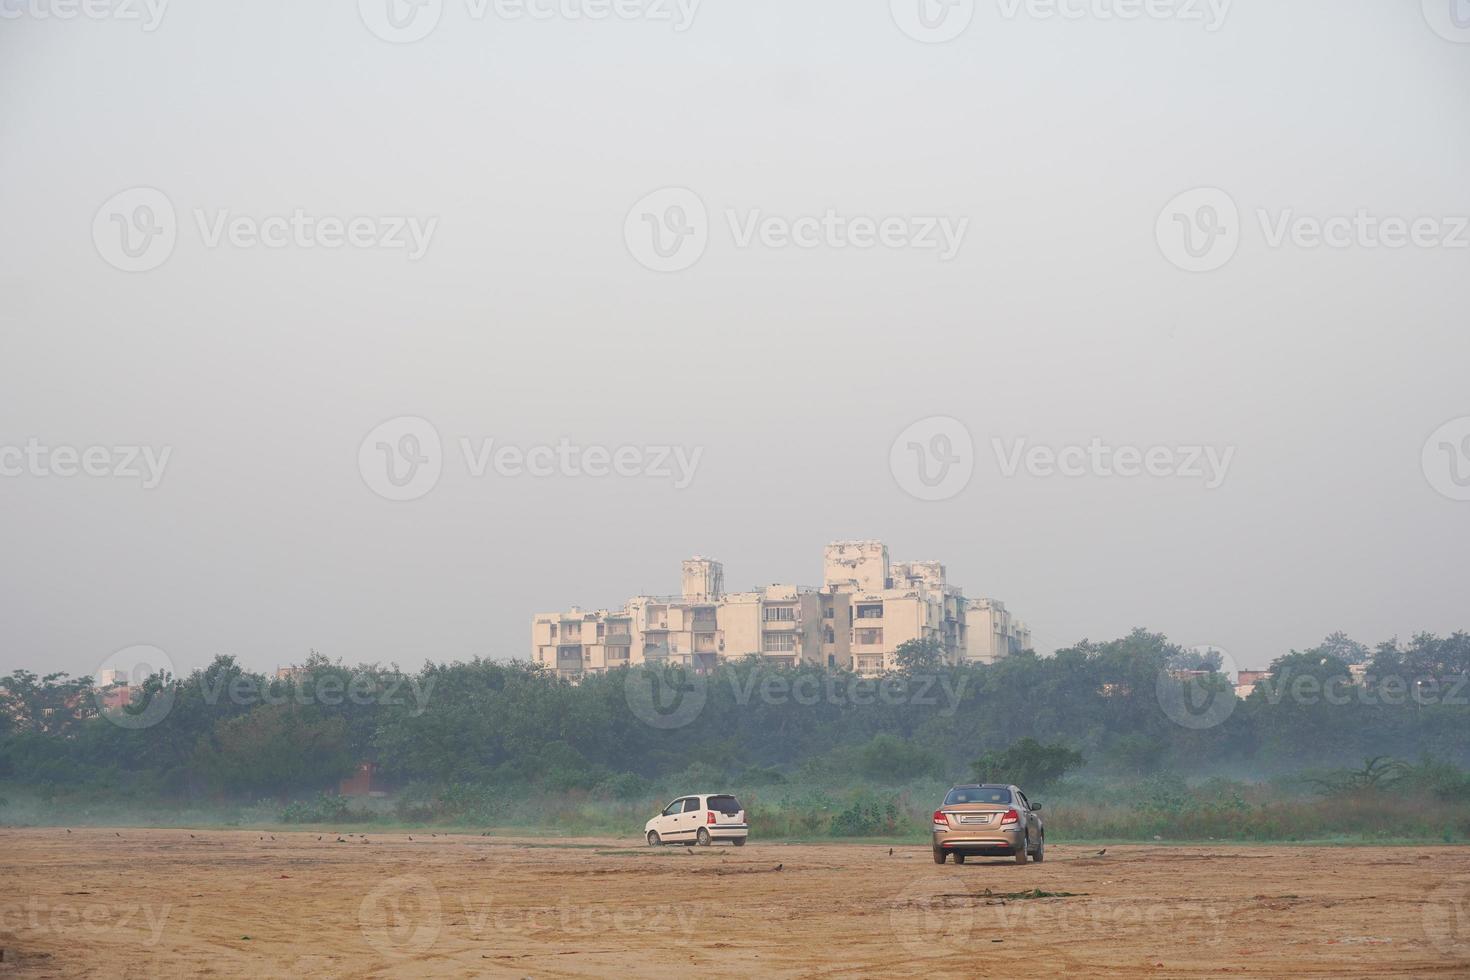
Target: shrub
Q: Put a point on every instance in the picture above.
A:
(892, 759)
(867, 818)
(756, 776)
(624, 786)
(1027, 764)
(324, 808)
(467, 803)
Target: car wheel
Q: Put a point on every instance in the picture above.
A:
(702, 838)
(959, 859)
(738, 841)
(654, 840)
(1040, 854)
(1021, 851)
(938, 856)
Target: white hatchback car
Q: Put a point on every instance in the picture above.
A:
(700, 820)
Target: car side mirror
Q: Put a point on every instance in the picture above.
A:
(1036, 808)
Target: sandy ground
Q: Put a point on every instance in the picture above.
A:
(145, 903)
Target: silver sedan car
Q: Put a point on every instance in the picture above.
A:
(988, 820)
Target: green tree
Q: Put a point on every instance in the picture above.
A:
(276, 749)
(923, 655)
(51, 705)
(893, 759)
(1028, 764)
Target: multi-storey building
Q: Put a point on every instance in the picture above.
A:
(866, 608)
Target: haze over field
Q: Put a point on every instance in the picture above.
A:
(500, 293)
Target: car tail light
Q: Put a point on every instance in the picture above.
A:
(1011, 816)
(709, 817)
(939, 817)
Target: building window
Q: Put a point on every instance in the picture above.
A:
(779, 643)
(870, 610)
(829, 613)
(869, 637)
(828, 636)
(780, 614)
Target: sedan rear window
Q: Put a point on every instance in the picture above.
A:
(978, 794)
(724, 804)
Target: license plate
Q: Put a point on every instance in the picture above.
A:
(982, 818)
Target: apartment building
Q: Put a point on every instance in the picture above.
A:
(866, 608)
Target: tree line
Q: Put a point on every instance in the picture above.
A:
(224, 731)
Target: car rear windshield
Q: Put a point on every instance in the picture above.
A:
(978, 794)
(724, 804)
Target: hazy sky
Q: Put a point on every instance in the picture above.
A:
(519, 149)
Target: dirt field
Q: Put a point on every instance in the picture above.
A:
(143, 903)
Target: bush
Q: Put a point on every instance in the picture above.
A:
(624, 786)
(467, 803)
(756, 776)
(1027, 764)
(867, 818)
(696, 778)
(894, 760)
(1434, 779)
(323, 809)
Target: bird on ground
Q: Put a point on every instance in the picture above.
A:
(273, 836)
(116, 834)
(191, 837)
(890, 852)
(1102, 852)
(318, 838)
(780, 866)
(410, 836)
(341, 841)
(68, 831)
